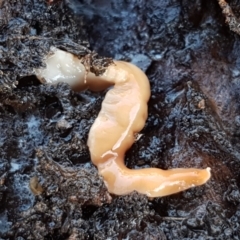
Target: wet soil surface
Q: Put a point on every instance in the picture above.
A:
(192, 61)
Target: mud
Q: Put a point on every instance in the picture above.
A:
(191, 58)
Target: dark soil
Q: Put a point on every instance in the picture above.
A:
(192, 60)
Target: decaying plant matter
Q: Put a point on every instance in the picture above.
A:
(231, 19)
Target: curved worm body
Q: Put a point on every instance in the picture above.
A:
(123, 114)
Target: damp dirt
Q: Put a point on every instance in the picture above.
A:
(49, 189)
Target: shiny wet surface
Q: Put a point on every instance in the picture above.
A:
(192, 61)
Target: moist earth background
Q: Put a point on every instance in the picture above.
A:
(192, 61)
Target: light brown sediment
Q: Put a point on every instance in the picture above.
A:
(35, 186)
(123, 114)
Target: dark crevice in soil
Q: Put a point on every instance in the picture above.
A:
(191, 59)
